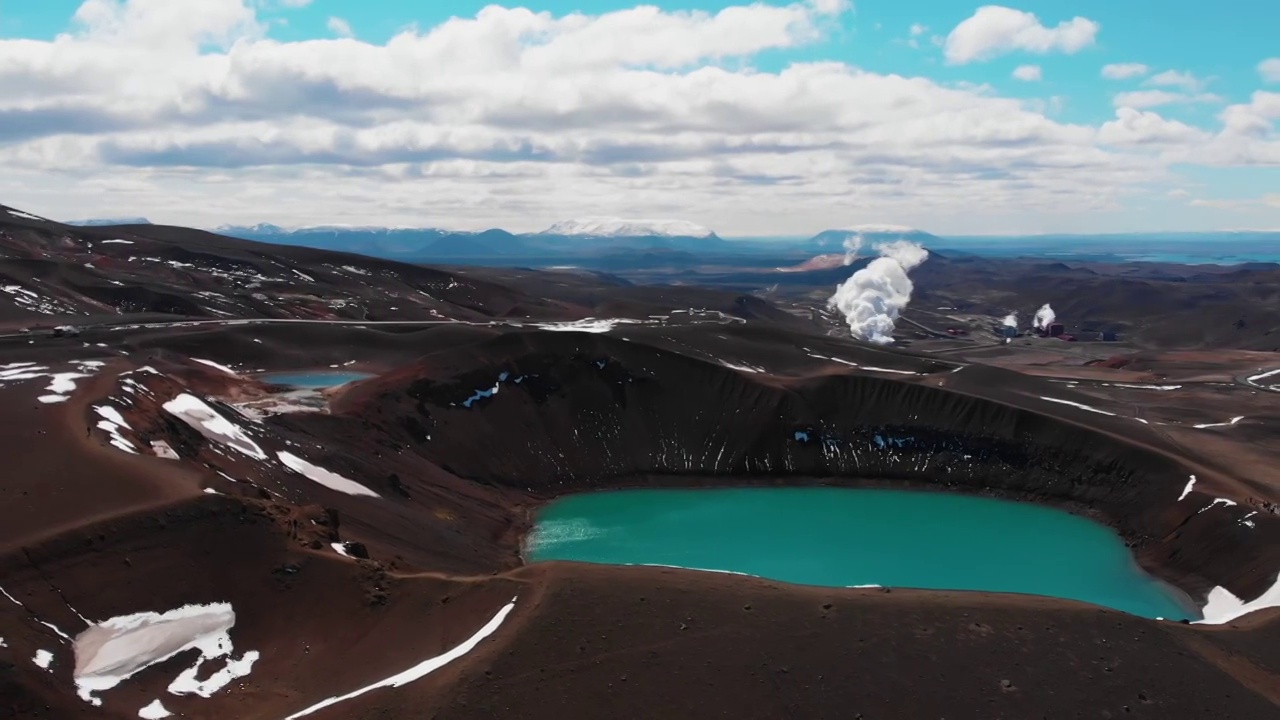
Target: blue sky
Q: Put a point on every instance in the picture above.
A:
(1202, 181)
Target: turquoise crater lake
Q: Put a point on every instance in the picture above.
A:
(847, 537)
(313, 379)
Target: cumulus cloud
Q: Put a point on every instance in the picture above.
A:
(520, 119)
(994, 30)
(1248, 136)
(1269, 70)
(1175, 78)
(1135, 127)
(1124, 71)
(1029, 73)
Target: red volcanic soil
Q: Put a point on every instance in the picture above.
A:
(693, 387)
(679, 644)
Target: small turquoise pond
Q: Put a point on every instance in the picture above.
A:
(847, 537)
(315, 379)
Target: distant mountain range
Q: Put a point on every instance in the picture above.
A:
(107, 222)
(590, 237)
(616, 239)
(609, 242)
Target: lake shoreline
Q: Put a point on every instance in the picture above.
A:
(1145, 563)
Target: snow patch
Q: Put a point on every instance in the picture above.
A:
(1078, 405)
(43, 659)
(883, 228)
(154, 711)
(1217, 501)
(589, 325)
(598, 226)
(194, 412)
(111, 423)
(1222, 606)
(887, 370)
(1187, 490)
(1148, 387)
(341, 549)
(112, 651)
(1255, 378)
(162, 449)
(421, 669)
(331, 480)
(1229, 423)
(216, 366)
(49, 625)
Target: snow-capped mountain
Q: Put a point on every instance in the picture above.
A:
(880, 229)
(620, 227)
(259, 229)
(871, 233)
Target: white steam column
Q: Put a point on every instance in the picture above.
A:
(1044, 317)
(874, 296)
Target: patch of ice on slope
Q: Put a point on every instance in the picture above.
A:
(420, 670)
(196, 413)
(112, 651)
(1222, 606)
(154, 711)
(329, 479)
(43, 660)
(216, 366)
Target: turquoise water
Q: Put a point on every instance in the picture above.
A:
(845, 537)
(316, 379)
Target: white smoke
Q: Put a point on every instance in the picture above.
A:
(1010, 320)
(1044, 317)
(873, 297)
(852, 245)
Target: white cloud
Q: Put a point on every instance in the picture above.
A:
(1138, 128)
(1029, 73)
(340, 27)
(1124, 71)
(995, 30)
(916, 31)
(831, 7)
(1174, 78)
(1269, 70)
(1248, 137)
(1156, 98)
(519, 119)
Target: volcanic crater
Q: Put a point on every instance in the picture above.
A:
(368, 546)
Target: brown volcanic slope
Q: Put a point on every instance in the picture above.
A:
(94, 524)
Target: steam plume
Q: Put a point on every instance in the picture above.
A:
(852, 244)
(1010, 320)
(1044, 317)
(873, 297)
